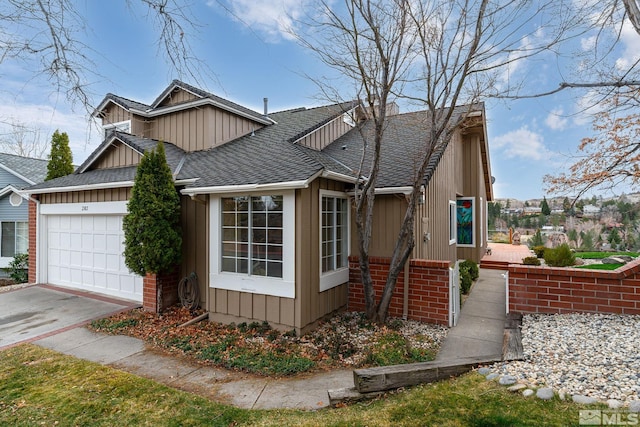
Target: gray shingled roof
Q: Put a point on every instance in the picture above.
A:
(126, 103)
(174, 155)
(205, 94)
(267, 156)
(35, 170)
(403, 146)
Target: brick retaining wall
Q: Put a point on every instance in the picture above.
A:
(428, 288)
(573, 290)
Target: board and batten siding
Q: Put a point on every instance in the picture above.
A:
(310, 305)
(432, 216)
(325, 135)
(473, 185)
(103, 195)
(178, 96)
(388, 212)
(200, 128)
(117, 155)
(194, 220)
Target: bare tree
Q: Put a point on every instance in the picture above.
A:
(22, 140)
(433, 54)
(609, 159)
(49, 36)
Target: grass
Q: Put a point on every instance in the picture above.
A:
(601, 255)
(606, 267)
(41, 387)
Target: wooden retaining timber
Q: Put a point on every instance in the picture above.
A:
(384, 378)
(512, 340)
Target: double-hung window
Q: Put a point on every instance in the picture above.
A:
(334, 239)
(15, 239)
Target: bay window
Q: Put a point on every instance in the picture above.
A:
(334, 239)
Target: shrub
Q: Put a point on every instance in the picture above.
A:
(539, 251)
(465, 281)
(531, 260)
(18, 268)
(474, 271)
(560, 256)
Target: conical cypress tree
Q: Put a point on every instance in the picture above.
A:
(152, 233)
(60, 158)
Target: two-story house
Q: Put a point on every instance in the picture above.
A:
(266, 211)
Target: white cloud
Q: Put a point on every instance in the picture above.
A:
(272, 19)
(46, 119)
(555, 119)
(588, 43)
(521, 143)
(631, 42)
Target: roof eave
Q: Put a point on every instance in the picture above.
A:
(13, 172)
(229, 189)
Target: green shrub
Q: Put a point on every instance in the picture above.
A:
(18, 268)
(560, 256)
(531, 260)
(474, 271)
(465, 281)
(539, 251)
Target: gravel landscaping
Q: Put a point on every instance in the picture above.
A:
(584, 356)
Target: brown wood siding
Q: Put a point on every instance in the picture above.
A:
(432, 216)
(178, 96)
(473, 186)
(320, 138)
(195, 236)
(114, 114)
(117, 155)
(104, 195)
(200, 128)
(310, 305)
(388, 212)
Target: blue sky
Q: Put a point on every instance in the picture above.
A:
(255, 58)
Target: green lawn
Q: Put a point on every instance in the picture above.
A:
(601, 255)
(606, 267)
(41, 387)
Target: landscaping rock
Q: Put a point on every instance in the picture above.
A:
(614, 260)
(484, 371)
(545, 393)
(634, 406)
(583, 400)
(507, 380)
(528, 392)
(614, 404)
(562, 395)
(492, 376)
(517, 387)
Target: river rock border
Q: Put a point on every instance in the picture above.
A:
(547, 393)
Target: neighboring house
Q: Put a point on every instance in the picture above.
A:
(266, 212)
(16, 172)
(590, 211)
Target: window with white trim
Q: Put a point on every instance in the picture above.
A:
(252, 235)
(124, 126)
(452, 222)
(334, 239)
(253, 243)
(14, 239)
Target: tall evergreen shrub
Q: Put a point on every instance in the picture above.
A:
(153, 239)
(60, 157)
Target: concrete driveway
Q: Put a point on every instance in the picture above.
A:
(37, 312)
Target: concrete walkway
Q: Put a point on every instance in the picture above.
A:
(480, 329)
(479, 333)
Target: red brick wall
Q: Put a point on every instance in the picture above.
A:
(571, 290)
(33, 232)
(152, 300)
(428, 288)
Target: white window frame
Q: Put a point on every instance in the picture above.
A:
(118, 126)
(240, 282)
(333, 278)
(453, 226)
(15, 238)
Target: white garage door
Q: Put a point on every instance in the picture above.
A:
(85, 252)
